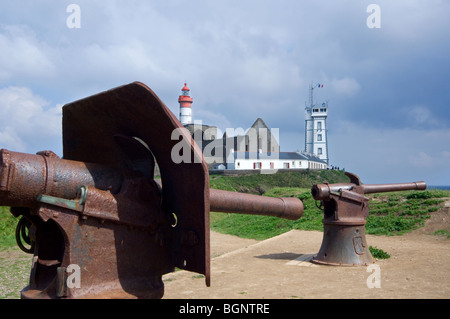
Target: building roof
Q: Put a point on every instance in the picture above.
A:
(185, 88)
(277, 156)
(312, 157)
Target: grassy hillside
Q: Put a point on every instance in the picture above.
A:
(281, 184)
(390, 213)
(261, 183)
(7, 228)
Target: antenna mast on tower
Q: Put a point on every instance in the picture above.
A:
(311, 93)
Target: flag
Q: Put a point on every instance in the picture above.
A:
(320, 85)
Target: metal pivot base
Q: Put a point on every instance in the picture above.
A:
(344, 245)
(148, 288)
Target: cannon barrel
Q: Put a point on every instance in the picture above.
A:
(222, 201)
(233, 202)
(382, 188)
(323, 191)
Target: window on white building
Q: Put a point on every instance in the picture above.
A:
(319, 137)
(319, 151)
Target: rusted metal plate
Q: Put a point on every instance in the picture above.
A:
(96, 129)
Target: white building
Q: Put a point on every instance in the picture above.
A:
(316, 140)
(273, 161)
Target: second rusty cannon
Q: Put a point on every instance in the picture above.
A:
(345, 213)
(99, 209)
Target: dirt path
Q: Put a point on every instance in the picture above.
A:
(279, 268)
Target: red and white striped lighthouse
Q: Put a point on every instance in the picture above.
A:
(185, 106)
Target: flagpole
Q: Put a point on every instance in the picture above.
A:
(311, 93)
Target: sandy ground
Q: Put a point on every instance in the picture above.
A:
(279, 268)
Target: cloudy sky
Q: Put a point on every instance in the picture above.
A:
(388, 88)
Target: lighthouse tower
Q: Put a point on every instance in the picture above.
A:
(185, 106)
(316, 141)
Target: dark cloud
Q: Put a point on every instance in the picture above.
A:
(250, 59)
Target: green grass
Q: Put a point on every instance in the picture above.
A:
(400, 212)
(379, 253)
(442, 232)
(390, 213)
(261, 183)
(7, 228)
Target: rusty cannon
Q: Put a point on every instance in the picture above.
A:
(98, 222)
(345, 212)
